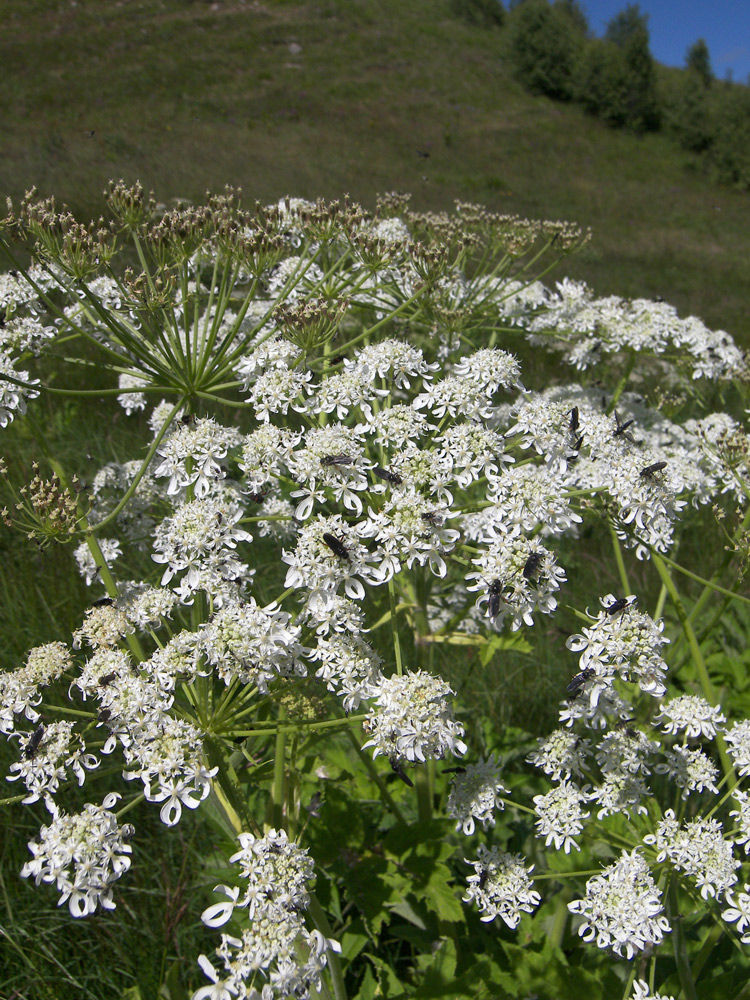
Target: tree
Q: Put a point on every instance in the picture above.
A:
(698, 61)
(485, 13)
(544, 43)
(628, 31)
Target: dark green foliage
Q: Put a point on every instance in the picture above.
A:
(485, 13)
(616, 79)
(730, 150)
(601, 81)
(698, 61)
(627, 25)
(544, 41)
(689, 114)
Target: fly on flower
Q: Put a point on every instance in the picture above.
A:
(390, 477)
(533, 563)
(260, 496)
(577, 682)
(337, 460)
(400, 772)
(494, 591)
(34, 740)
(621, 604)
(103, 602)
(621, 429)
(335, 545)
(651, 470)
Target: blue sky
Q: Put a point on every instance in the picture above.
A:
(675, 24)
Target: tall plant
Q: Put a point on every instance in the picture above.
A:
(346, 485)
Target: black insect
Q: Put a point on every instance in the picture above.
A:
(34, 740)
(578, 681)
(433, 517)
(390, 477)
(103, 602)
(188, 419)
(650, 471)
(483, 876)
(398, 769)
(494, 591)
(454, 770)
(573, 420)
(104, 715)
(107, 679)
(621, 430)
(259, 497)
(619, 605)
(337, 547)
(533, 563)
(337, 460)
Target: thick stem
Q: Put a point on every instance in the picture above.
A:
(679, 945)
(320, 920)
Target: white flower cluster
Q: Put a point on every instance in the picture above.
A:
(83, 854)
(475, 794)
(200, 541)
(640, 325)
(698, 848)
(622, 642)
(252, 644)
(20, 690)
(192, 455)
(501, 886)
(272, 895)
(47, 755)
(413, 720)
(622, 909)
(350, 667)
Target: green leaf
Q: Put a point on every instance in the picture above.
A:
(389, 984)
(368, 987)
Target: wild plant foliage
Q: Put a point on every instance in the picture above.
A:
(347, 488)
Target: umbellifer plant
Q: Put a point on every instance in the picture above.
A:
(347, 490)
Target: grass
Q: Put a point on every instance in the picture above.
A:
(335, 96)
(312, 99)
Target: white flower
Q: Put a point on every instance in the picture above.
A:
(476, 794)
(692, 714)
(501, 886)
(739, 912)
(413, 720)
(561, 815)
(83, 854)
(698, 849)
(622, 908)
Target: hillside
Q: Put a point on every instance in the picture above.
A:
(335, 96)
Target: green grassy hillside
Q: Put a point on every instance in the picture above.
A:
(335, 96)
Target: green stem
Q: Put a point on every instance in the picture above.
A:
(697, 655)
(394, 628)
(142, 471)
(712, 939)
(277, 792)
(373, 772)
(320, 920)
(679, 945)
(619, 560)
